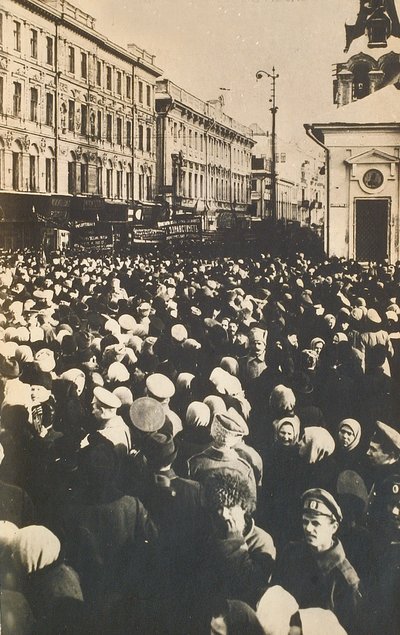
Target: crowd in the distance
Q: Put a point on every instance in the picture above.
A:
(192, 444)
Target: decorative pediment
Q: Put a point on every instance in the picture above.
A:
(372, 156)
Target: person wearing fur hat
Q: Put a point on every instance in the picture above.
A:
(226, 432)
(240, 556)
(315, 570)
(254, 363)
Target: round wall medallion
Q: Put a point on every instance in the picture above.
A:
(373, 179)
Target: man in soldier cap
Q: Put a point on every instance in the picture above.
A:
(105, 405)
(383, 456)
(316, 571)
(161, 388)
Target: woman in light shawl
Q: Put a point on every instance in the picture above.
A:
(316, 444)
(319, 468)
(317, 344)
(348, 451)
(278, 505)
(286, 431)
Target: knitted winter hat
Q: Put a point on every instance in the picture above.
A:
(227, 429)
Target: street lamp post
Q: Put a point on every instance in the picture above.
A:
(274, 109)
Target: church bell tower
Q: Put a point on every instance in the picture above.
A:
(368, 69)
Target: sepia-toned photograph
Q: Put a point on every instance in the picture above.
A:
(200, 317)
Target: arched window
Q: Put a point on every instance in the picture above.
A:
(2, 166)
(17, 166)
(129, 182)
(390, 65)
(84, 174)
(99, 177)
(361, 87)
(149, 185)
(72, 173)
(119, 180)
(49, 170)
(141, 184)
(109, 180)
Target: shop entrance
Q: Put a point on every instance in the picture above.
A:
(371, 229)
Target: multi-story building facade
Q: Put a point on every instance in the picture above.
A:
(77, 119)
(299, 182)
(204, 156)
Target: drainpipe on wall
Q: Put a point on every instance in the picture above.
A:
(56, 107)
(310, 134)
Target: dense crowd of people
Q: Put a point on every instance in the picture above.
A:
(194, 444)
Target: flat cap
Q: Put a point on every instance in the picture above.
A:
(390, 434)
(147, 414)
(319, 502)
(160, 386)
(106, 397)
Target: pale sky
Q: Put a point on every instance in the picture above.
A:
(207, 44)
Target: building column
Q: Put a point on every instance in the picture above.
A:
(375, 80)
(345, 88)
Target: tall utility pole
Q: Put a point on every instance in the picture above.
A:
(274, 109)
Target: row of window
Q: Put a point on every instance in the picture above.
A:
(78, 182)
(193, 139)
(111, 79)
(122, 137)
(33, 103)
(31, 182)
(33, 42)
(106, 75)
(220, 188)
(95, 129)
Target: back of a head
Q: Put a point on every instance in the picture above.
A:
(282, 399)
